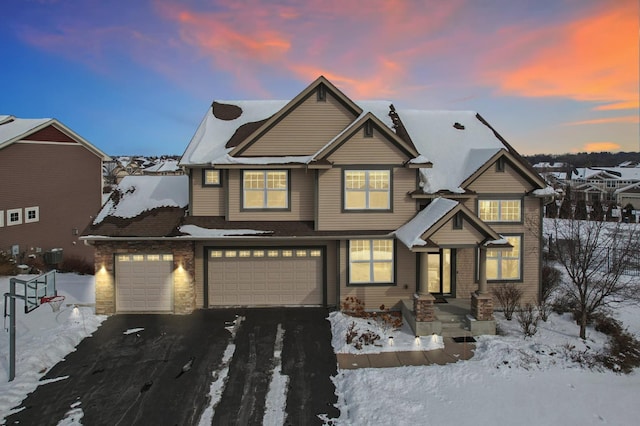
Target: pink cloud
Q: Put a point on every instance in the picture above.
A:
(625, 119)
(591, 58)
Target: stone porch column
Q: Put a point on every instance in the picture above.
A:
(424, 307)
(481, 300)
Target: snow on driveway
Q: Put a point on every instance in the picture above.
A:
(44, 337)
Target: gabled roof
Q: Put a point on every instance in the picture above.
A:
(426, 222)
(343, 136)
(14, 129)
(310, 89)
(634, 187)
(460, 144)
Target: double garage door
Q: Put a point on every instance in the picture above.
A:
(144, 283)
(265, 276)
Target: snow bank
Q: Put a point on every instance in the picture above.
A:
(390, 340)
(44, 337)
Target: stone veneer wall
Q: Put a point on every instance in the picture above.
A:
(184, 300)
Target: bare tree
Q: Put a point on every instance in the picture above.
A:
(595, 256)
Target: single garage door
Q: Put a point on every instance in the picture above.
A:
(144, 283)
(265, 276)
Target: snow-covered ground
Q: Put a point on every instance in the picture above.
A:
(44, 337)
(531, 381)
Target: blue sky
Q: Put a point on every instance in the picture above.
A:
(136, 77)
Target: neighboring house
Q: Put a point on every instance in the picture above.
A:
(601, 183)
(51, 187)
(164, 167)
(312, 200)
(629, 195)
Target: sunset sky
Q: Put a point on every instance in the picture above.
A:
(136, 77)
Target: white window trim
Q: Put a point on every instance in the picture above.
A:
(371, 262)
(500, 201)
(367, 191)
(1, 218)
(27, 210)
(17, 222)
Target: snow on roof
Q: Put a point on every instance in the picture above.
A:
(138, 194)
(197, 231)
(411, 232)
(456, 142)
(11, 127)
(169, 165)
(208, 143)
(545, 192)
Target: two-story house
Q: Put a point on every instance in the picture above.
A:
(312, 200)
(51, 187)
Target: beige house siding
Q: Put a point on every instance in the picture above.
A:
(493, 182)
(633, 199)
(305, 130)
(206, 200)
(359, 149)
(332, 217)
(530, 232)
(375, 296)
(301, 188)
(447, 236)
(465, 273)
(330, 261)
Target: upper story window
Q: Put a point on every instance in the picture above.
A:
(211, 177)
(265, 189)
(371, 262)
(500, 164)
(500, 210)
(505, 264)
(367, 189)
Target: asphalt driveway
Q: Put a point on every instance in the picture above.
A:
(138, 378)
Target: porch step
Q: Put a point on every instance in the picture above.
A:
(453, 324)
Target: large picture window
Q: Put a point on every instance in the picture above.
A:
(265, 189)
(505, 264)
(371, 261)
(500, 210)
(367, 189)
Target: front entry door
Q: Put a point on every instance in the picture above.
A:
(439, 272)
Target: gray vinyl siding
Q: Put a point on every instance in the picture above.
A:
(301, 201)
(206, 200)
(331, 215)
(305, 130)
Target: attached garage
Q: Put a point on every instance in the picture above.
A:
(144, 282)
(265, 276)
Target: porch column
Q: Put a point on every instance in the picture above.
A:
(423, 283)
(482, 271)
